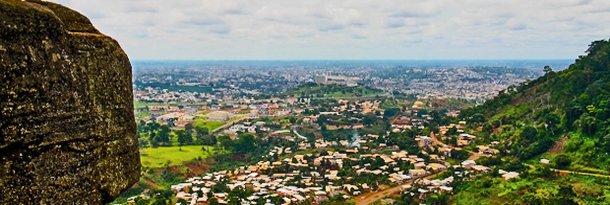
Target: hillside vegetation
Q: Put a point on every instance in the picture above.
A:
(562, 116)
(573, 103)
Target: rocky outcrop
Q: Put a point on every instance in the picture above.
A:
(67, 130)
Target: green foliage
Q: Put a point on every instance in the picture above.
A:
(159, 156)
(391, 112)
(437, 199)
(459, 154)
(531, 116)
(201, 123)
(562, 162)
(184, 137)
(404, 140)
(534, 189)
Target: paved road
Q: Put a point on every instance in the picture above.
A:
(372, 197)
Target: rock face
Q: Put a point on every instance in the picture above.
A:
(67, 129)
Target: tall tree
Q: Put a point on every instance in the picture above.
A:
(184, 137)
(201, 133)
(164, 135)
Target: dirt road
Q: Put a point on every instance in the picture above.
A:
(371, 197)
(565, 172)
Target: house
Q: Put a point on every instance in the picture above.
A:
(417, 173)
(221, 116)
(510, 175)
(420, 165)
(436, 167)
(446, 188)
(181, 187)
(425, 141)
(487, 150)
(480, 168)
(467, 164)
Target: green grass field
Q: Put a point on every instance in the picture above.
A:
(211, 125)
(158, 157)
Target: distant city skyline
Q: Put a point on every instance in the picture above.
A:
(349, 30)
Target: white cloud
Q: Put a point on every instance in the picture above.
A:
(349, 29)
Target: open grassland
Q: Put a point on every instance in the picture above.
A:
(210, 125)
(173, 156)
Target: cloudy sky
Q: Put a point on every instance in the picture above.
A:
(350, 29)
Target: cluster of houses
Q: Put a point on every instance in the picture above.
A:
(315, 177)
(247, 127)
(310, 177)
(298, 178)
(422, 187)
(365, 106)
(150, 94)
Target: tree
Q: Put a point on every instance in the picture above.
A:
(528, 135)
(201, 133)
(152, 126)
(587, 124)
(184, 137)
(405, 140)
(452, 131)
(154, 140)
(547, 69)
(606, 143)
(210, 140)
(562, 161)
(391, 112)
(142, 126)
(459, 154)
(226, 141)
(189, 128)
(164, 136)
(244, 144)
(552, 122)
(322, 119)
(437, 199)
(293, 119)
(369, 120)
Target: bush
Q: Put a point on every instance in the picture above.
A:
(459, 154)
(562, 161)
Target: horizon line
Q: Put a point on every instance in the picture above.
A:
(289, 60)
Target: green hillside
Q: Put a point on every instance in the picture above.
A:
(573, 103)
(562, 116)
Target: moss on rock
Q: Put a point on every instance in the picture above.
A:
(67, 129)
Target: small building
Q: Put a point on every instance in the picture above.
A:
(221, 116)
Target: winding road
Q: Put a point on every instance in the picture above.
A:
(371, 197)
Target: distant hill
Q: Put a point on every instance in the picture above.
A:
(568, 111)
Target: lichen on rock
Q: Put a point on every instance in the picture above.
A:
(67, 130)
